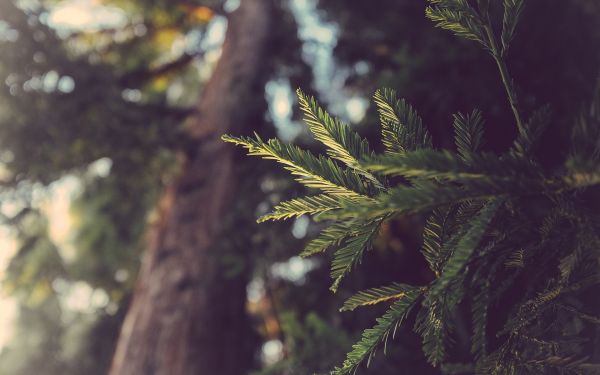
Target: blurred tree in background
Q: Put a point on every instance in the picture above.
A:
(110, 108)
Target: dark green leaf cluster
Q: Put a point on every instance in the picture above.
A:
(502, 234)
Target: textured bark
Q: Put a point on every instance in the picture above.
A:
(187, 317)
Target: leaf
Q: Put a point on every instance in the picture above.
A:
(330, 237)
(406, 199)
(585, 136)
(374, 296)
(401, 127)
(431, 164)
(516, 259)
(372, 338)
(427, 195)
(533, 129)
(479, 311)
(434, 234)
(422, 163)
(342, 143)
(434, 325)
(315, 172)
(351, 253)
(468, 133)
(458, 17)
(512, 12)
(465, 247)
(465, 212)
(302, 206)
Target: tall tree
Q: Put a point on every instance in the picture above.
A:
(185, 316)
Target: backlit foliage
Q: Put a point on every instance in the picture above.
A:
(502, 232)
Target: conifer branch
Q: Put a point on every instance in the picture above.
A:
(458, 17)
(464, 192)
(465, 247)
(302, 206)
(534, 127)
(372, 338)
(342, 143)
(468, 134)
(506, 80)
(434, 236)
(433, 323)
(375, 296)
(402, 128)
(479, 312)
(429, 195)
(430, 164)
(330, 237)
(351, 253)
(315, 172)
(512, 12)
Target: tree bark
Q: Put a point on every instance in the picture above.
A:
(187, 317)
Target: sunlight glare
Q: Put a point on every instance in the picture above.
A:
(8, 305)
(86, 15)
(58, 210)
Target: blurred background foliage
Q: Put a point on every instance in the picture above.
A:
(94, 97)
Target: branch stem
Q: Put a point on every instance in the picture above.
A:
(506, 80)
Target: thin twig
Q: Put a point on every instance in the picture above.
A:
(506, 80)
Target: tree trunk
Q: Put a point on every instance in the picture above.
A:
(187, 316)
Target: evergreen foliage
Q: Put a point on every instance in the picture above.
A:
(503, 234)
